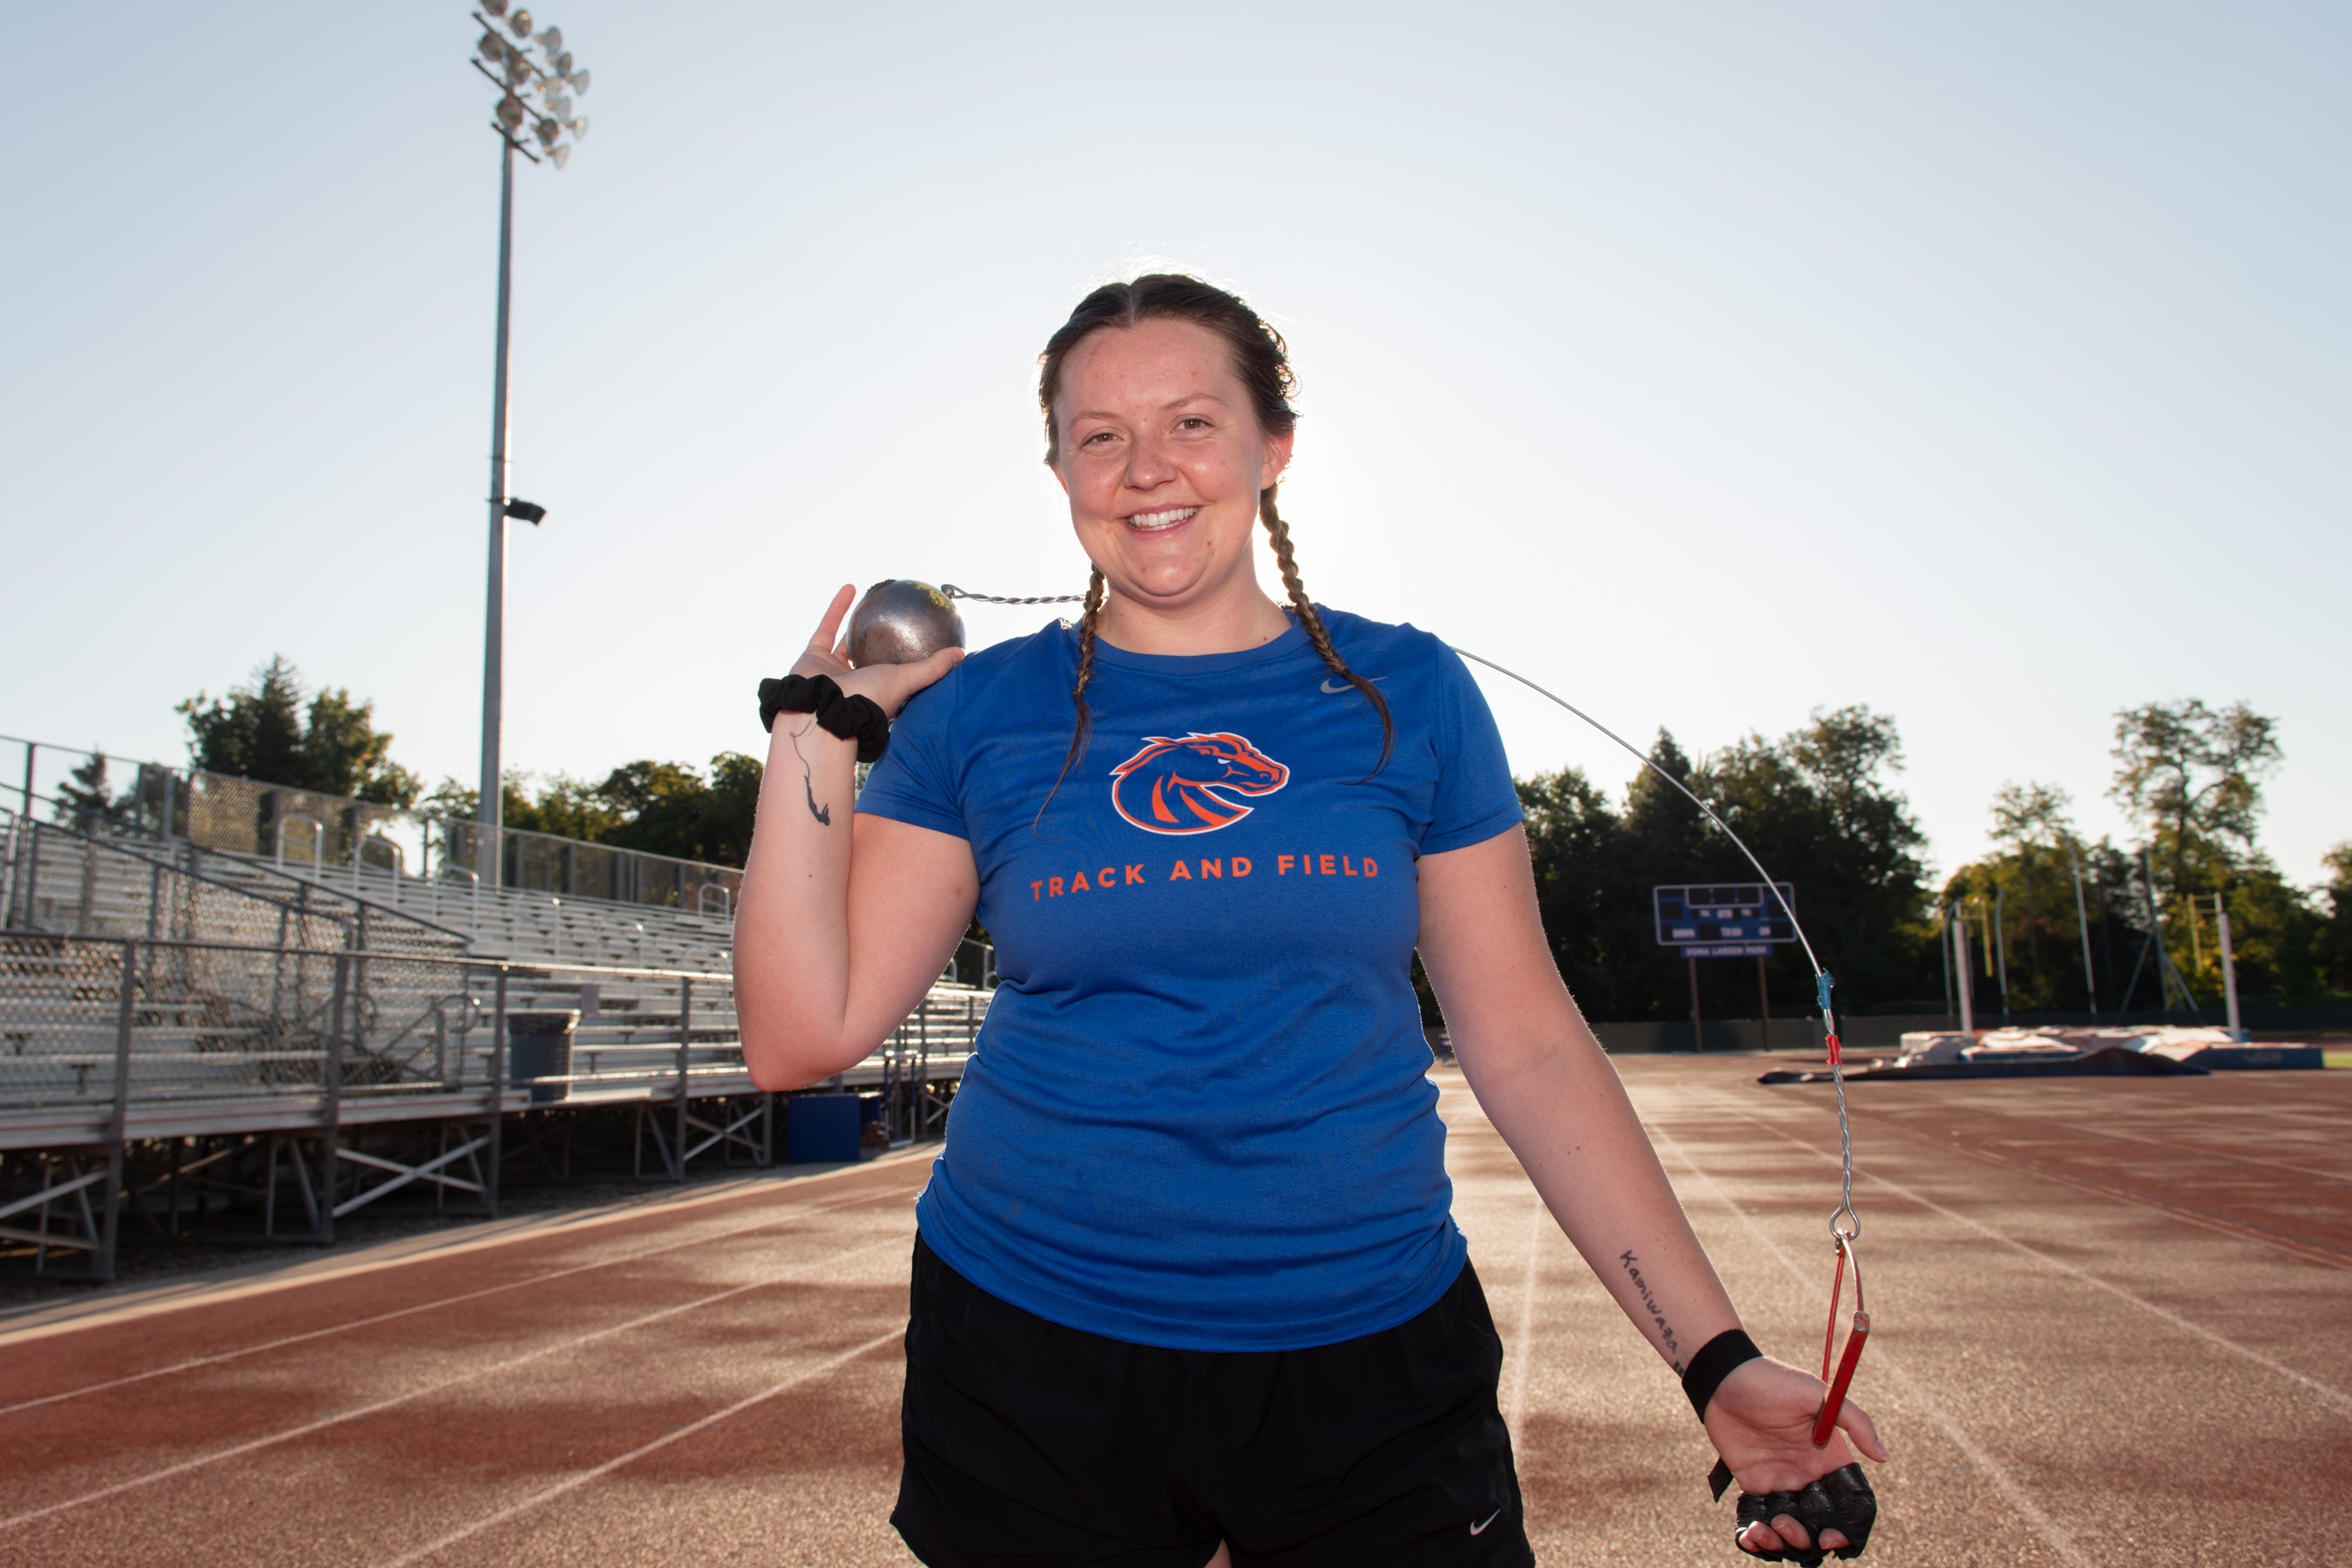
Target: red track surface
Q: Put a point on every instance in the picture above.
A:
(2113, 1323)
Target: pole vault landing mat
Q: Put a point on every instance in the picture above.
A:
(2113, 1061)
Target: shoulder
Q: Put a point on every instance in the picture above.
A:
(1049, 646)
(1428, 686)
(1389, 649)
(1012, 671)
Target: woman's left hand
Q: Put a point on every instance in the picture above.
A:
(1761, 1421)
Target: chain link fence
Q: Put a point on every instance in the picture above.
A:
(317, 834)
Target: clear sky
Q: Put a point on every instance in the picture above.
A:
(1991, 364)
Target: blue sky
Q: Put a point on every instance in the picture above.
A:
(1984, 363)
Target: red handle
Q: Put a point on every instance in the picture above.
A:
(1826, 1423)
(1829, 1335)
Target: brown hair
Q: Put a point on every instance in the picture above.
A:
(1261, 360)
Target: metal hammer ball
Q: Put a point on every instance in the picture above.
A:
(902, 621)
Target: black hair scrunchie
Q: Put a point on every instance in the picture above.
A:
(855, 719)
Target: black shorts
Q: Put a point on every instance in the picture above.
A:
(1030, 1442)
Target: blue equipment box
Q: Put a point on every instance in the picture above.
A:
(822, 1128)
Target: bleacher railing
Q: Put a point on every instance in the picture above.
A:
(319, 1078)
(310, 831)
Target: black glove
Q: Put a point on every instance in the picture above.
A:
(1841, 1501)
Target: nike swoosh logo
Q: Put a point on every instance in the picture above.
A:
(1336, 687)
(1480, 1527)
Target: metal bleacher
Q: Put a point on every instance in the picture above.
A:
(294, 1037)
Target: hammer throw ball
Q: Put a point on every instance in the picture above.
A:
(901, 621)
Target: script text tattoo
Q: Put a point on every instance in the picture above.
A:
(1650, 1305)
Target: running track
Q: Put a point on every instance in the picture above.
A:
(2114, 1324)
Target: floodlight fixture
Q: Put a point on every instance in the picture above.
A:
(521, 68)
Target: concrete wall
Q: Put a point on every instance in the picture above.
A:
(1720, 1034)
(1884, 1032)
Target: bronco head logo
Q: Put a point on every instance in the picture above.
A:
(1172, 786)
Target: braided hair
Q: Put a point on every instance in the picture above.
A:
(1261, 360)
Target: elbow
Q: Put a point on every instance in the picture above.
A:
(774, 1067)
(778, 1061)
(777, 1051)
(769, 1079)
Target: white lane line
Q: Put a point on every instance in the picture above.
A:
(1523, 1345)
(2050, 1529)
(280, 1343)
(124, 1305)
(2176, 1146)
(2294, 1246)
(472, 1374)
(2062, 1542)
(574, 1483)
(2276, 1240)
(2333, 1395)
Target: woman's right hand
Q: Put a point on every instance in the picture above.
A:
(835, 948)
(888, 685)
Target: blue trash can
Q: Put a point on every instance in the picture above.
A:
(539, 1047)
(820, 1129)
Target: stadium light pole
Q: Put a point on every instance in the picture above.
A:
(523, 64)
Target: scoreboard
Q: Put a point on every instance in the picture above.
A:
(1725, 919)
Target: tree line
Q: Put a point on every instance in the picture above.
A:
(2190, 776)
(276, 731)
(1821, 806)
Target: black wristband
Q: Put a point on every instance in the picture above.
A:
(1716, 1360)
(855, 719)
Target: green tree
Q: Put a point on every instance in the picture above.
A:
(2024, 816)
(84, 794)
(1824, 808)
(672, 810)
(1819, 806)
(2030, 876)
(1584, 891)
(564, 806)
(263, 731)
(660, 808)
(2191, 775)
(255, 732)
(2275, 934)
(2332, 945)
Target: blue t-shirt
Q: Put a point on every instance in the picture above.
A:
(1198, 1114)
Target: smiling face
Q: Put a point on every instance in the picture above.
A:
(1162, 458)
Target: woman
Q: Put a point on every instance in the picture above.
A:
(1187, 1290)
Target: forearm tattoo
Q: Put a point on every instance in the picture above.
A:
(1650, 1305)
(823, 813)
